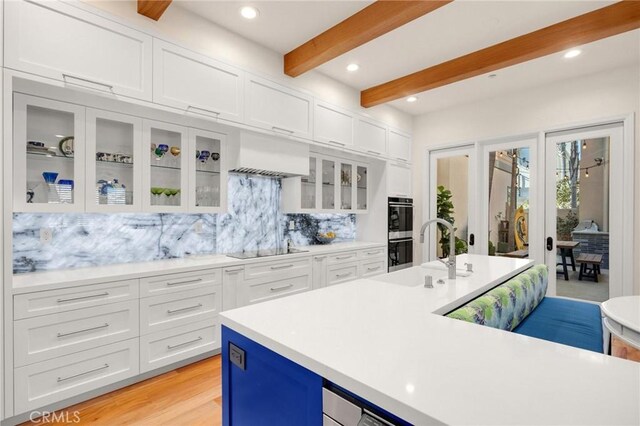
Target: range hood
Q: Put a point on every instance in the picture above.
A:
(267, 155)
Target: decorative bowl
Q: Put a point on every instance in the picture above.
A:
(324, 240)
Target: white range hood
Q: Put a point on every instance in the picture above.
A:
(267, 155)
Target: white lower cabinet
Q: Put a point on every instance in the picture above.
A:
(231, 282)
(173, 345)
(50, 336)
(43, 383)
(341, 267)
(371, 268)
(337, 274)
(255, 291)
(319, 271)
(171, 310)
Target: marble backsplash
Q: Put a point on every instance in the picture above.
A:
(85, 239)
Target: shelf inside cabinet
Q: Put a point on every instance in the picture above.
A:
(48, 155)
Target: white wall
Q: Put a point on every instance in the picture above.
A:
(597, 96)
(196, 33)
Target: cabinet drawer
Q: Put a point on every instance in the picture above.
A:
(169, 346)
(341, 273)
(174, 283)
(172, 310)
(372, 253)
(50, 381)
(371, 268)
(67, 299)
(344, 257)
(268, 271)
(40, 338)
(259, 292)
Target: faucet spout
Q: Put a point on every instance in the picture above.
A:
(451, 263)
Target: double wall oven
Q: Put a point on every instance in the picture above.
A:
(400, 219)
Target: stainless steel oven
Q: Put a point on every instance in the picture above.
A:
(400, 220)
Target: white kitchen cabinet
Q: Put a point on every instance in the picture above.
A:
(399, 146)
(319, 266)
(341, 267)
(371, 136)
(57, 40)
(332, 125)
(274, 279)
(231, 281)
(177, 283)
(114, 162)
(201, 85)
(165, 174)
(207, 171)
(277, 108)
(300, 194)
(398, 179)
(48, 155)
(329, 179)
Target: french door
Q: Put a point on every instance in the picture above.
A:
(587, 212)
(452, 195)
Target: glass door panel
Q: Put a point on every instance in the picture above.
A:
(166, 171)
(113, 161)
(346, 186)
(308, 186)
(206, 157)
(328, 184)
(362, 188)
(48, 155)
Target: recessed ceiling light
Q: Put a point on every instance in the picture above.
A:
(412, 99)
(249, 12)
(572, 53)
(353, 67)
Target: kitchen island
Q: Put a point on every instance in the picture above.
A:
(385, 341)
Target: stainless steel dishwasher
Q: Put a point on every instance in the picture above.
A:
(340, 409)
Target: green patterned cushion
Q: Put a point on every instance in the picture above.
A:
(508, 304)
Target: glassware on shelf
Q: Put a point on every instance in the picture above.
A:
(110, 192)
(65, 191)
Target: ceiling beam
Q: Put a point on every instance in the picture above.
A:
(602, 23)
(371, 22)
(153, 8)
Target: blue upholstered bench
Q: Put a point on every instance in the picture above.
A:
(520, 305)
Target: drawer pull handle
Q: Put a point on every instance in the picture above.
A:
(188, 308)
(62, 379)
(275, 268)
(320, 257)
(344, 257)
(91, 296)
(401, 159)
(374, 152)
(371, 253)
(337, 143)
(208, 111)
(179, 345)
(281, 287)
(184, 282)
(343, 275)
(282, 130)
(86, 80)
(373, 269)
(70, 333)
(230, 271)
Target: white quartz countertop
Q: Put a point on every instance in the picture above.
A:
(384, 340)
(46, 280)
(624, 311)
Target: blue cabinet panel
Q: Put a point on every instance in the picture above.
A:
(270, 390)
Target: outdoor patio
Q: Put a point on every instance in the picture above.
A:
(585, 289)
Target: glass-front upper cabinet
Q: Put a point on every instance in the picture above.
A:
(207, 171)
(165, 175)
(114, 162)
(346, 186)
(362, 188)
(308, 187)
(48, 155)
(328, 184)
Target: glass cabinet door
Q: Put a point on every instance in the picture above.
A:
(207, 172)
(114, 148)
(48, 154)
(346, 186)
(362, 188)
(308, 186)
(328, 184)
(165, 174)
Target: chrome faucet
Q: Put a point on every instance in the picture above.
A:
(451, 263)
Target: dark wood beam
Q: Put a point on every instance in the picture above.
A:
(602, 23)
(371, 22)
(153, 8)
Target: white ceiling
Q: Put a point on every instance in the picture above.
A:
(456, 29)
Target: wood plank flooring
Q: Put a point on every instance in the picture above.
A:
(189, 396)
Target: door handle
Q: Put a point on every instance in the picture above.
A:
(472, 239)
(550, 243)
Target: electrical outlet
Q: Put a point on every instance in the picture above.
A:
(197, 227)
(46, 235)
(292, 225)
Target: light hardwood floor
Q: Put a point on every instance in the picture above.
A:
(188, 396)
